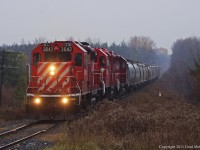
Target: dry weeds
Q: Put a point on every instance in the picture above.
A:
(144, 120)
(11, 113)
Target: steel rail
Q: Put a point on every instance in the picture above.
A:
(27, 137)
(18, 128)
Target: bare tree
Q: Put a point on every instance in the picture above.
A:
(142, 42)
(40, 40)
(185, 66)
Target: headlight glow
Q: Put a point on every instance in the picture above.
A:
(52, 70)
(52, 73)
(65, 100)
(37, 101)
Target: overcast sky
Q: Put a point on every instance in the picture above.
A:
(164, 21)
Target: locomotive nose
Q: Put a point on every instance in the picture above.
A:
(54, 77)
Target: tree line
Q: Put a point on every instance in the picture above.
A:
(184, 71)
(138, 48)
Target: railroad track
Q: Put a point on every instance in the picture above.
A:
(30, 135)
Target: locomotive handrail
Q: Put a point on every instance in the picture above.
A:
(97, 73)
(116, 73)
(108, 73)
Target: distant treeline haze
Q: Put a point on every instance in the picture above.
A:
(184, 72)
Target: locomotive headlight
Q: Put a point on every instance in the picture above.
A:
(37, 101)
(52, 73)
(65, 100)
(52, 70)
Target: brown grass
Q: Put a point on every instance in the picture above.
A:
(12, 113)
(142, 121)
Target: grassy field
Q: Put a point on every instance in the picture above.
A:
(143, 120)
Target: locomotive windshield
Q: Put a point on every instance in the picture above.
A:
(54, 57)
(50, 57)
(64, 57)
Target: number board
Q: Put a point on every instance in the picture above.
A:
(66, 48)
(47, 49)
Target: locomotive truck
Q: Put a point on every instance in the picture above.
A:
(67, 76)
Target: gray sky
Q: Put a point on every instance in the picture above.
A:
(108, 20)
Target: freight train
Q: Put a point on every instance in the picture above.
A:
(67, 76)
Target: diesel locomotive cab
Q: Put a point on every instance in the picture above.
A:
(53, 77)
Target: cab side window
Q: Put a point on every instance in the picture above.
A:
(78, 59)
(36, 58)
(102, 61)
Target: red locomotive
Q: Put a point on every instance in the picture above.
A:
(69, 75)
